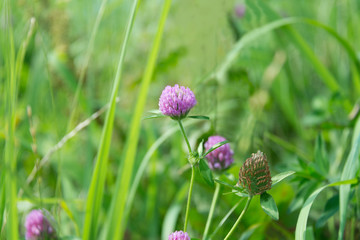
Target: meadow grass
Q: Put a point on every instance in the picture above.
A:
(284, 78)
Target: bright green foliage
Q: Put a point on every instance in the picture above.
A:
(269, 206)
(283, 78)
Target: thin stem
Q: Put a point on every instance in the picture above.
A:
(189, 197)
(184, 134)
(239, 219)
(212, 208)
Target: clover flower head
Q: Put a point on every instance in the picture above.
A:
(38, 227)
(176, 101)
(222, 157)
(255, 175)
(179, 235)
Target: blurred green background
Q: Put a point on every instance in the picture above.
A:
(289, 92)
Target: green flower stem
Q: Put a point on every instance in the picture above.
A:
(212, 208)
(192, 175)
(239, 219)
(184, 134)
(189, 197)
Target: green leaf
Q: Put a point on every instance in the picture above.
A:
(305, 210)
(215, 147)
(269, 206)
(144, 164)
(160, 115)
(155, 111)
(249, 232)
(281, 176)
(309, 233)
(224, 219)
(331, 207)
(199, 117)
(205, 172)
(349, 171)
(321, 161)
(227, 184)
(240, 193)
(200, 149)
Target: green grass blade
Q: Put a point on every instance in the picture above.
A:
(10, 150)
(305, 210)
(326, 76)
(85, 64)
(94, 199)
(279, 177)
(349, 171)
(143, 165)
(117, 221)
(2, 200)
(225, 218)
(173, 213)
(250, 37)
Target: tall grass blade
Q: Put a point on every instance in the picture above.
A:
(10, 150)
(94, 199)
(305, 210)
(143, 165)
(2, 200)
(173, 212)
(85, 64)
(326, 76)
(117, 222)
(349, 171)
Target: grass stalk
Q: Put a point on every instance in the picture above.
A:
(10, 156)
(212, 208)
(189, 197)
(239, 219)
(85, 64)
(117, 221)
(94, 199)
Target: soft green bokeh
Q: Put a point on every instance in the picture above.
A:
(291, 92)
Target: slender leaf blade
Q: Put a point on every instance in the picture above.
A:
(94, 198)
(215, 147)
(281, 176)
(154, 116)
(116, 220)
(226, 184)
(349, 171)
(305, 210)
(199, 117)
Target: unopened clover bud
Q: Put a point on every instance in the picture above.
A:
(176, 101)
(255, 175)
(179, 235)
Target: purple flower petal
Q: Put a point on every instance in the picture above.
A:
(176, 101)
(222, 157)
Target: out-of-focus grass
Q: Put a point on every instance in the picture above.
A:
(315, 92)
